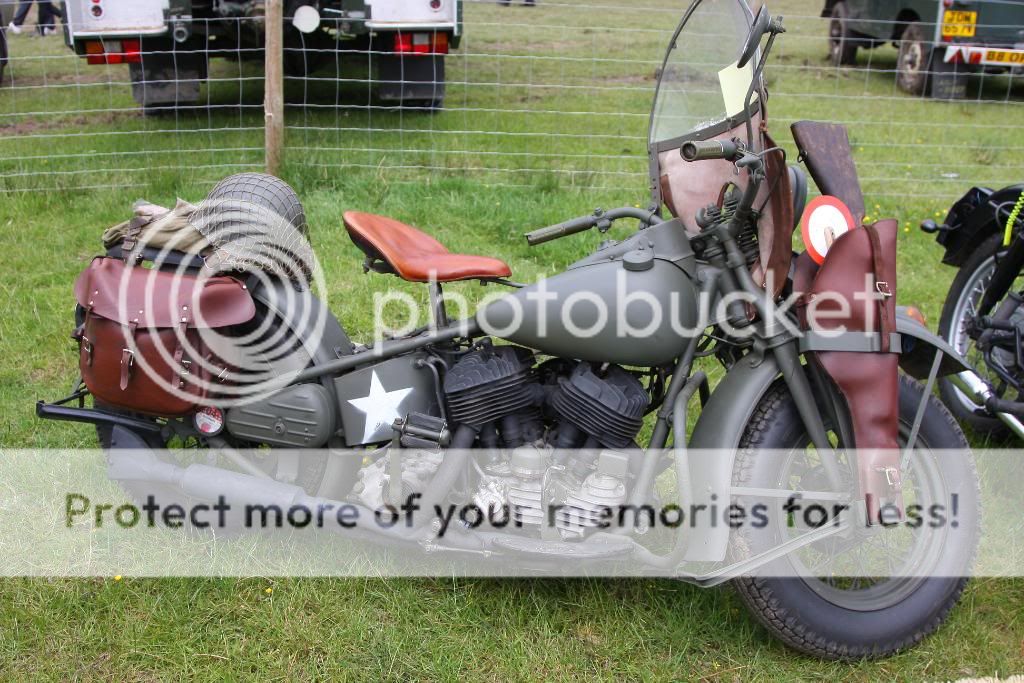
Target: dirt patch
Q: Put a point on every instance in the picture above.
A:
(61, 79)
(627, 79)
(34, 126)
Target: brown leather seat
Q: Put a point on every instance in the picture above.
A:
(414, 255)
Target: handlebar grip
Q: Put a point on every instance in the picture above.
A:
(553, 232)
(698, 150)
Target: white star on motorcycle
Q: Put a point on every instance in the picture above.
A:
(380, 407)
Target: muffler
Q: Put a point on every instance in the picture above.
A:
(978, 391)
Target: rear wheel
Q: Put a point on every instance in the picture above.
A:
(914, 61)
(842, 45)
(807, 602)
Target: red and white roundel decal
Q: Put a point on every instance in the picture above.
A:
(209, 420)
(824, 220)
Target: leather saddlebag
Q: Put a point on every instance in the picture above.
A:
(140, 345)
(860, 272)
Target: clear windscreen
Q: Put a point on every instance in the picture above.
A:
(700, 85)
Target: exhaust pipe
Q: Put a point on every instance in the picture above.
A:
(135, 461)
(979, 392)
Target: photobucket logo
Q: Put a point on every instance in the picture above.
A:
(176, 335)
(630, 313)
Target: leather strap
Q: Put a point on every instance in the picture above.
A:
(885, 324)
(182, 366)
(131, 237)
(128, 357)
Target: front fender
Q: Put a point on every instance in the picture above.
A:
(918, 348)
(732, 404)
(720, 427)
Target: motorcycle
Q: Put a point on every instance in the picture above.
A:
(556, 407)
(982, 314)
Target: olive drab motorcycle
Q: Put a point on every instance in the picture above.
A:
(555, 397)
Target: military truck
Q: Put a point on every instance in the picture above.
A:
(940, 42)
(168, 44)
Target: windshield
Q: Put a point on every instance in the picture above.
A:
(700, 90)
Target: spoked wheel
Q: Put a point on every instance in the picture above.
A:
(871, 591)
(842, 47)
(961, 304)
(914, 61)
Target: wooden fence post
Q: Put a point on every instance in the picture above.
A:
(273, 102)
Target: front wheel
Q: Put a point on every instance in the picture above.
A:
(807, 602)
(842, 46)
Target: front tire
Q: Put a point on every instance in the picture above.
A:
(833, 619)
(841, 42)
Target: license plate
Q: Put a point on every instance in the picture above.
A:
(958, 24)
(1014, 57)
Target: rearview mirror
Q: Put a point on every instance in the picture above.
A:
(757, 29)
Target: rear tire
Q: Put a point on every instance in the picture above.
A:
(817, 617)
(841, 42)
(914, 61)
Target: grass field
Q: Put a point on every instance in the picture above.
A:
(549, 165)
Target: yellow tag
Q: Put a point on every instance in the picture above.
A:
(957, 24)
(735, 82)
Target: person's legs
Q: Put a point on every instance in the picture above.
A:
(47, 16)
(19, 16)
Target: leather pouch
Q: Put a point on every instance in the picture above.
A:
(140, 346)
(854, 289)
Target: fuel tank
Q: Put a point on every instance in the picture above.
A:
(631, 302)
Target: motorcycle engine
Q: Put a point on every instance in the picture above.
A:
(548, 435)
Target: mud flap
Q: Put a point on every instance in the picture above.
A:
(401, 78)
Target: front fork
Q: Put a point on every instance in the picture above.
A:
(1007, 269)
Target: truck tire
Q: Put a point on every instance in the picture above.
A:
(841, 42)
(864, 618)
(914, 61)
(169, 76)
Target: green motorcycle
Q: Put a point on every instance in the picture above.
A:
(549, 418)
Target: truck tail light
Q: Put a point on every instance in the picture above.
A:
(421, 43)
(113, 52)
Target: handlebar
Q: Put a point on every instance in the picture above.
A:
(553, 232)
(698, 150)
(584, 223)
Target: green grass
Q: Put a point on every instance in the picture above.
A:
(139, 629)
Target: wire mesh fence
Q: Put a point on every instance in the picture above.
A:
(519, 94)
